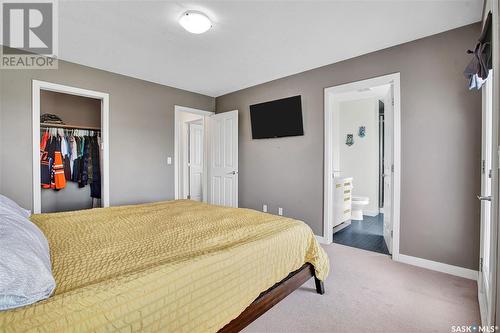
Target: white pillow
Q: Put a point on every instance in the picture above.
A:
(25, 268)
(7, 205)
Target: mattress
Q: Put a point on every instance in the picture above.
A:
(174, 266)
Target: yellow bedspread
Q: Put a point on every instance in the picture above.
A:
(175, 266)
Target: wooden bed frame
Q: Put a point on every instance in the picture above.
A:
(272, 296)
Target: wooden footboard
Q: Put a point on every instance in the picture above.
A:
(272, 296)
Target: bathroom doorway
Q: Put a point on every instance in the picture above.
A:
(362, 164)
(190, 153)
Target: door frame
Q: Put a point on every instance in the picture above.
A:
(492, 316)
(328, 154)
(178, 109)
(186, 152)
(37, 87)
(495, 190)
(487, 302)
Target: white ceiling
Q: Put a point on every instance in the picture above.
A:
(250, 42)
(373, 92)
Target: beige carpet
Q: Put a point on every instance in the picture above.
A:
(368, 292)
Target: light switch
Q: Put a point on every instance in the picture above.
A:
(264, 208)
(169, 160)
(280, 211)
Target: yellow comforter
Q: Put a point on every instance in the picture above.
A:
(175, 266)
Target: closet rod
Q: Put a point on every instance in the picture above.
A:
(70, 126)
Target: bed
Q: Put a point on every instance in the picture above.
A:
(174, 266)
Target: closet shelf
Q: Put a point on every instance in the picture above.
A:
(90, 128)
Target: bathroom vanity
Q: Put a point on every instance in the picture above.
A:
(342, 201)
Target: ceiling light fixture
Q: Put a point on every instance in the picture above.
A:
(195, 22)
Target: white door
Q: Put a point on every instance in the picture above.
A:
(223, 159)
(485, 276)
(388, 162)
(195, 161)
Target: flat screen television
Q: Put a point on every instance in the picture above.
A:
(276, 119)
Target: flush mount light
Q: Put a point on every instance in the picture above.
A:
(195, 22)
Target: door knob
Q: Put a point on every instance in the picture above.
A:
(234, 172)
(484, 198)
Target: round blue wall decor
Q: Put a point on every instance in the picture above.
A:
(362, 131)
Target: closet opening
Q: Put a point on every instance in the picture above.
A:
(70, 148)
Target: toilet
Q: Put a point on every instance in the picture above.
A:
(357, 206)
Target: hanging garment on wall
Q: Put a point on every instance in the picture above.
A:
(477, 70)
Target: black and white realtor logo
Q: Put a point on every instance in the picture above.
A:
(28, 35)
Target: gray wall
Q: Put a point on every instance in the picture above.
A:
(73, 110)
(441, 140)
(141, 131)
(77, 111)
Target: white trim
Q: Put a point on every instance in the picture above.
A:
(370, 212)
(177, 132)
(396, 187)
(37, 87)
(328, 144)
(321, 239)
(439, 266)
(35, 135)
(483, 308)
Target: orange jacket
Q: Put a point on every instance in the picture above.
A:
(58, 171)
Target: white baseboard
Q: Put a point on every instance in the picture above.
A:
(438, 266)
(370, 212)
(483, 308)
(341, 226)
(321, 240)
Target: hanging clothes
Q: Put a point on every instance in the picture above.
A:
(84, 163)
(72, 151)
(65, 156)
(76, 160)
(67, 168)
(58, 167)
(70, 156)
(50, 148)
(45, 162)
(76, 170)
(64, 145)
(90, 165)
(95, 187)
(43, 141)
